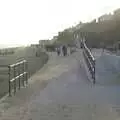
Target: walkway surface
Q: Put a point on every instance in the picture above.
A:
(62, 91)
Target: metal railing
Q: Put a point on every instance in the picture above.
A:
(90, 61)
(13, 77)
(17, 75)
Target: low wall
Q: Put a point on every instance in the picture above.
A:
(36, 63)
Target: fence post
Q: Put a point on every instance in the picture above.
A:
(19, 74)
(28, 73)
(26, 69)
(14, 70)
(23, 73)
(9, 70)
(94, 73)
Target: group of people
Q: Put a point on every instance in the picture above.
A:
(63, 50)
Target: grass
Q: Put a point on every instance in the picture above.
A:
(28, 53)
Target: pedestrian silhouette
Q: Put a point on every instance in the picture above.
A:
(58, 51)
(64, 50)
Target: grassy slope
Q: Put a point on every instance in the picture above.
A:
(28, 53)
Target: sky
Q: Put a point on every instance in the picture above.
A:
(25, 22)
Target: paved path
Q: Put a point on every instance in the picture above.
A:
(61, 91)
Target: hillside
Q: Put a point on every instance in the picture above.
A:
(97, 33)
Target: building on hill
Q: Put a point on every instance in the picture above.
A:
(35, 45)
(42, 43)
(53, 40)
(105, 17)
(93, 21)
(117, 14)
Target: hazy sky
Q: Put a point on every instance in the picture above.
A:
(27, 21)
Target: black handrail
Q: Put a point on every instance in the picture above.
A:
(90, 61)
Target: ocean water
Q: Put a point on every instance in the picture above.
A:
(2, 46)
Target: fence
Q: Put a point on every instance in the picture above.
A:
(17, 76)
(90, 61)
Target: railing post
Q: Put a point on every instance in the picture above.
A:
(14, 70)
(28, 74)
(26, 69)
(9, 74)
(23, 73)
(19, 74)
(94, 74)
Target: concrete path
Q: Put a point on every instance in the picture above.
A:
(61, 91)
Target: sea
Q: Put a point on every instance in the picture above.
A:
(3, 46)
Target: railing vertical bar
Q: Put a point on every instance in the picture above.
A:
(94, 73)
(14, 70)
(23, 74)
(9, 75)
(19, 77)
(26, 72)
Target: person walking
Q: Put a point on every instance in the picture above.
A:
(58, 51)
(68, 51)
(63, 50)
